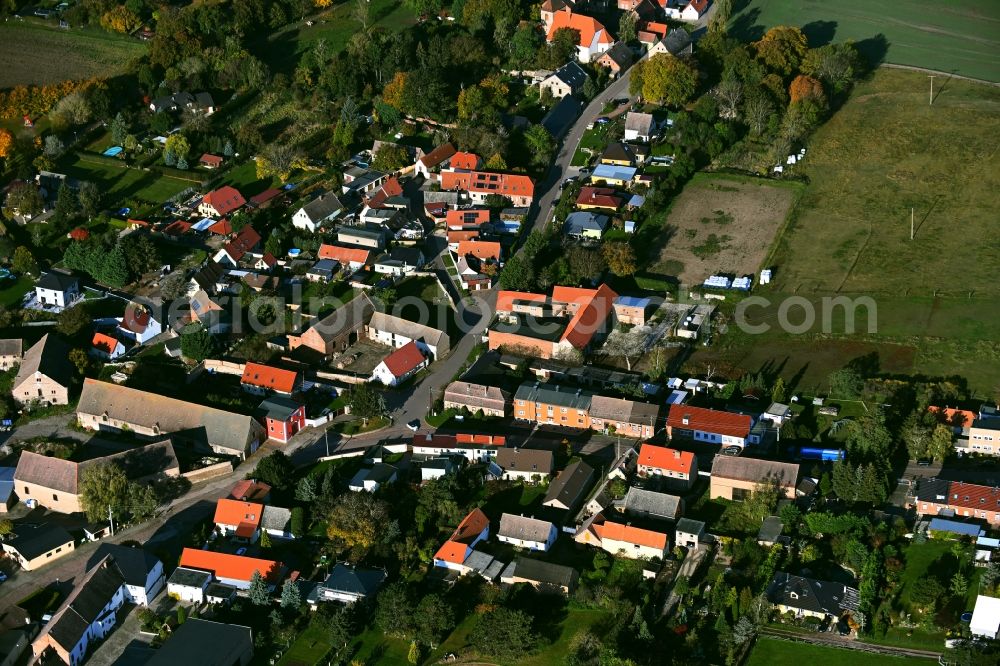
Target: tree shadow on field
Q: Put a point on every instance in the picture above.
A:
(874, 50)
(745, 26)
(820, 33)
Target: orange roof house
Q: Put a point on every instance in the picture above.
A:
(652, 457)
(458, 219)
(230, 568)
(481, 250)
(598, 197)
(701, 420)
(457, 236)
(250, 489)
(106, 345)
(353, 257)
(239, 518)
(473, 528)
(594, 309)
(222, 201)
(465, 161)
(520, 189)
(258, 378)
(960, 419)
(594, 37)
(628, 534)
(221, 228)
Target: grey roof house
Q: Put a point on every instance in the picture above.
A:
(347, 584)
(809, 597)
(584, 224)
(569, 489)
(649, 504)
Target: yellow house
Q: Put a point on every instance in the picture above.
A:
(33, 547)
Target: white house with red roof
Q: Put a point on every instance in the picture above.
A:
(694, 10)
(139, 324)
(455, 552)
(594, 40)
(221, 202)
(678, 467)
(355, 258)
(475, 448)
(262, 379)
(708, 425)
(520, 189)
(242, 243)
(106, 347)
(400, 365)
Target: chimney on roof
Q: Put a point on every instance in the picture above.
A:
(677, 454)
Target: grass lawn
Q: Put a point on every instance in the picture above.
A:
(373, 648)
(848, 235)
(775, 652)
(120, 183)
(244, 178)
(282, 49)
(311, 646)
(12, 292)
(33, 53)
(958, 37)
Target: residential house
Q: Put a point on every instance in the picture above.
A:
(138, 323)
(323, 270)
(361, 237)
(277, 522)
(525, 532)
(34, 547)
(221, 202)
(87, 615)
(477, 398)
(938, 497)
(184, 101)
(400, 262)
(463, 161)
(594, 38)
(208, 312)
(141, 570)
(359, 180)
(528, 465)
(110, 407)
(54, 483)
(436, 468)
(552, 404)
(620, 154)
(807, 597)
(210, 278)
(465, 218)
(7, 495)
(11, 351)
(205, 643)
(338, 330)
(623, 540)
(235, 570)
(544, 326)
(985, 617)
(959, 420)
(598, 198)
(219, 593)
(456, 236)
(550, 7)
(266, 198)
(631, 310)
(400, 365)
(689, 533)
(568, 490)
(348, 584)
(265, 263)
(433, 161)
(770, 531)
(616, 59)
(397, 332)
(639, 126)
(263, 379)
(678, 468)
(610, 174)
(105, 347)
(352, 257)
(694, 10)
(454, 552)
(777, 414)
(736, 477)
(238, 520)
(312, 216)
(481, 250)
(629, 418)
(474, 448)
(984, 436)
(650, 32)
(370, 479)
(567, 80)
(543, 576)
(649, 504)
(282, 418)
(251, 490)
(188, 585)
(233, 252)
(520, 189)
(57, 289)
(708, 425)
(210, 161)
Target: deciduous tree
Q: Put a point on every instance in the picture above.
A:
(620, 257)
(805, 87)
(664, 79)
(366, 402)
(276, 470)
(782, 49)
(358, 520)
(628, 345)
(504, 634)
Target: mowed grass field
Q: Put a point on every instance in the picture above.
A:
(960, 36)
(774, 652)
(37, 54)
(120, 183)
(935, 297)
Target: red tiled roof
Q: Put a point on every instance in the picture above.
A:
(465, 218)
(656, 28)
(973, 496)
(221, 228)
(590, 316)
(265, 196)
(207, 158)
(700, 5)
(442, 441)
(460, 235)
(344, 255)
(105, 343)
(487, 182)
(268, 259)
(586, 25)
(467, 161)
(404, 359)
(505, 299)
(489, 440)
(236, 512)
(177, 228)
(629, 534)
(265, 376)
(244, 241)
(962, 418)
(661, 457)
(454, 549)
(79, 234)
(436, 208)
(248, 489)
(604, 197)
(709, 420)
(391, 188)
(438, 155)
(235, 567)
(479, 249)
(225, 200)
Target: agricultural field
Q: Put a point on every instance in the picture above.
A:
(961, 37)
(36, 54)
(121, 183)
(848, 235)
(721, 224)
(772, 652)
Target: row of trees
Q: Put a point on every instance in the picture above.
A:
(113, 261)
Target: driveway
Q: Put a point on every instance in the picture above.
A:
(689, 567)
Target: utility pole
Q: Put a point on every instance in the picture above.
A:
(911, 223)
(111, 520)
(326, 438)
(932, 88)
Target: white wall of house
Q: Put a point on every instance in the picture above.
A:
(189, 593)
(470, 454)
(142, 595)
(55, 297)
(630, 550)
(542, 546)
